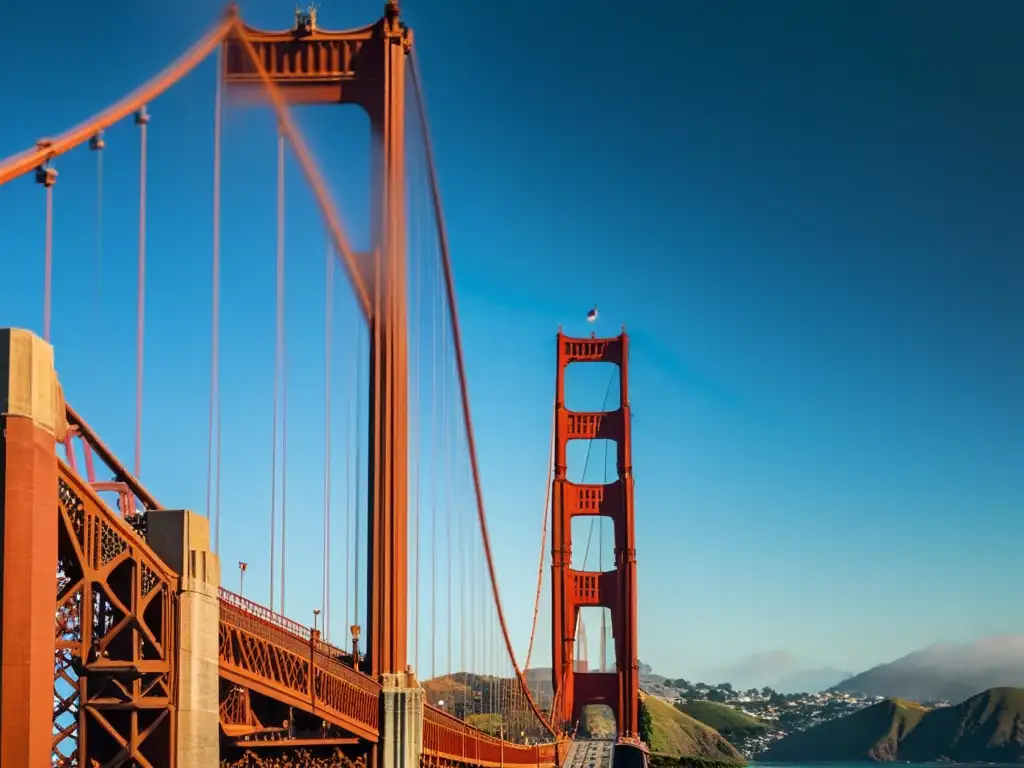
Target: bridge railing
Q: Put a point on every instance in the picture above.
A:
(279, 657)
(265, 614)
(447, 737)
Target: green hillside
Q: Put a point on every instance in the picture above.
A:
(676, 734)
(984, 728)
(728, 721)
(873, 733)
(987, 728)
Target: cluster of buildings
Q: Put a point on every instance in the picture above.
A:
(778, 714)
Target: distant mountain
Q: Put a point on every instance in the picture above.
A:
(986, 728)
(872, 733)
(809, 680)
(778, 670)
(755, 671)
(945, 672)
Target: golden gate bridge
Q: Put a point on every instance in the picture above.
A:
(146, 659)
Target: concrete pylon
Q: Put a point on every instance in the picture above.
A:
(32, 419)
(182, 540)
(401, 732)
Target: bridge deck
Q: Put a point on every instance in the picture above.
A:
(277, 657)
(268, 653)
(590, 753)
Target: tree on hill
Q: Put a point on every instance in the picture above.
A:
(646, 726)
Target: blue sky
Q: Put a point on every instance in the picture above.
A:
(808, 218)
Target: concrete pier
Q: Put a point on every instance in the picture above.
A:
(32, 419)
(401, 731)
(182, 540)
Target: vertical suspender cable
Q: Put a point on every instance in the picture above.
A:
(212, 464)
(142, 120)
(543, 544)
(97, 145)
(277, 361)
(586, 463)
(284, 362)
(351, 425)
(416, 452)
(358, 489)
(374, 489)
(600, 567)
(433, 480)
(449, 511)
(464, 388)
(328, 318)
(48, 278)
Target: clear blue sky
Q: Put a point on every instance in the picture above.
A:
(808, 215)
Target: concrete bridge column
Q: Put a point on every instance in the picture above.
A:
(401, 730)
(182, 540)
(32, 419)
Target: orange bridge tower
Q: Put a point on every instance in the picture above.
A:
(614, 589)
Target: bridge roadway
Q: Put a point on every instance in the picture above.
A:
(590, 753)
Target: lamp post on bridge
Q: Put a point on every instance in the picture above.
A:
(241, 578)
(355, 630)
(316, 616)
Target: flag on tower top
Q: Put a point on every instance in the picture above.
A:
(592, 315)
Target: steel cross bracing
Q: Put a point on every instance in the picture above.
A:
(284, 692)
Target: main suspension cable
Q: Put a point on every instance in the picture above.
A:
(543, 544)
(141, 120)
(464, 387)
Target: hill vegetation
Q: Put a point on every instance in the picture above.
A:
(679, 739)
(728, 721)
(988, 727)
(873, 733)
(676, 734)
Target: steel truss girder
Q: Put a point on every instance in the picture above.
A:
(114, 666)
